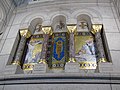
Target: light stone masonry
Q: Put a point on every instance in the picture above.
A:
(14, 17)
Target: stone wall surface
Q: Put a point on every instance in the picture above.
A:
(100, 11)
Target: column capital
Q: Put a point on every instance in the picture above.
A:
(47, 29)
(72, 28)
(25, 32)
(96, 28)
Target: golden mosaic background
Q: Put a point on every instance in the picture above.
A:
(79, 42)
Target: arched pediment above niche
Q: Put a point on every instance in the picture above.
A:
(94, 15)
(84, 22)
(57, 14)
(31, 21)
(35, 25)
(59, 23)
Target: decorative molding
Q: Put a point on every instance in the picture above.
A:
(101, 60)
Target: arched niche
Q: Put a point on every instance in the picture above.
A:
(59, 23)
(95, 16)
(29, 49)
(57, 54)
(85, 50)
(34, 24)
(34, 45)
(84, 22)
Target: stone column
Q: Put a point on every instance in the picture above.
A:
(97, 32)
(47, 32)
(15, 67)
(42, 66)
(102, 64)
(71, 65)
(71, 30)
(24, 35)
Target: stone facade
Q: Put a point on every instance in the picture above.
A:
(27, 15)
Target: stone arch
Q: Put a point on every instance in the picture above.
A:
(84, 18)
(31, 20)
(57, 20)
(34, 23)
(59, 13)
(95, 16)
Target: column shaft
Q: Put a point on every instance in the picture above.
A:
(72, 45)
(20, 50)
(24, 35)
(71, 30)
(44, 46)
(97, 32)
(99, 45)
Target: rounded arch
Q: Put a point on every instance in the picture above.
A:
(28, 18)
(84, 18)
(55, 14)
(34, 23)
(31, 20)
(57, 20)
(94, 15)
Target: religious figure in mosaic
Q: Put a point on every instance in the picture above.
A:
(87, 52)
(59, 48)
(33, 54)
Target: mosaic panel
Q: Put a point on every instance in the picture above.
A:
(58, 55)
(33, 55)
(85, 51)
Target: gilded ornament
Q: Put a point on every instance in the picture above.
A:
(96, 28)
(72, 60)
(88, 65)
(42, 61)
(28, 66)
(102, 60)
(72, 28)
(47, 30)
(16, 62)
(25, 32)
